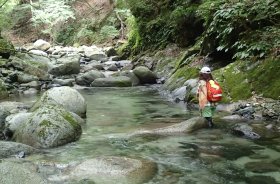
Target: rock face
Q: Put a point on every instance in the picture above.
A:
(69, 98)
(107, 170)
(49, 126)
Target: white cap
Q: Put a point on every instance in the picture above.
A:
(205, 69)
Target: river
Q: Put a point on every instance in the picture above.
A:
(203, 157)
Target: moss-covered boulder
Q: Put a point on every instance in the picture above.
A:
(24, 63)
(47, 127)
(241, 79)
(6, 48)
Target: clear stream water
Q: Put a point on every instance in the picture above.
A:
(113, 113)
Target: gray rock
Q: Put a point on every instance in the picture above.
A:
(187, 126)
(145, 75)
(15, 106)
(69, 98)
(26, 78)
(13, 121)
(98, 57)
(232, 118)
(33, 84)
(66, 66)
(261, 167)
(88, 77)
(112, 67)
(10, 149)
(64, 82)
(107, 170)
(245, 130)
(120, 81)
(41, 45)
(134, 79)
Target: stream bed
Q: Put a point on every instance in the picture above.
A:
(202, 157)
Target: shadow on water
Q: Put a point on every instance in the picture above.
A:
(203, 157)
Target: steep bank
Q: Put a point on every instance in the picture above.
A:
(238, 40)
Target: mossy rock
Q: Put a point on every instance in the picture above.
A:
(265, 78)
(239, 80)
(49, 126)
(180, 76)
(6, 48)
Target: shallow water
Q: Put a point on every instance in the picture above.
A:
(113, 113)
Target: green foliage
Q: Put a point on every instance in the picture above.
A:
(242, 26)
(66, 36)
(5, 19)
(134, 43)
(108, 32)
(163, 22)
(51, 13)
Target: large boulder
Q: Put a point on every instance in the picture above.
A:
(107, 170)
(47, 127)
(145, 75)
(41, 45)
(134, 79)
(35, 68)
(120, 81)
(87, 78)
(68, 97)
(66, 65)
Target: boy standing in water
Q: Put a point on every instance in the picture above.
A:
(206, 108)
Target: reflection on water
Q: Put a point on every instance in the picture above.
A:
(206, 156)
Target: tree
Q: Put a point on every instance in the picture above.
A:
(51, 14)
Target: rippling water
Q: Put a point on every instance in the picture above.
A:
(206, 156)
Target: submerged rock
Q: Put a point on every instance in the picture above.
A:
(8, 149)
(260, 179)
(107, 170)
(15, 171)
(261, 167)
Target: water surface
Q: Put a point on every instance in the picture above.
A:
(113, 113)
